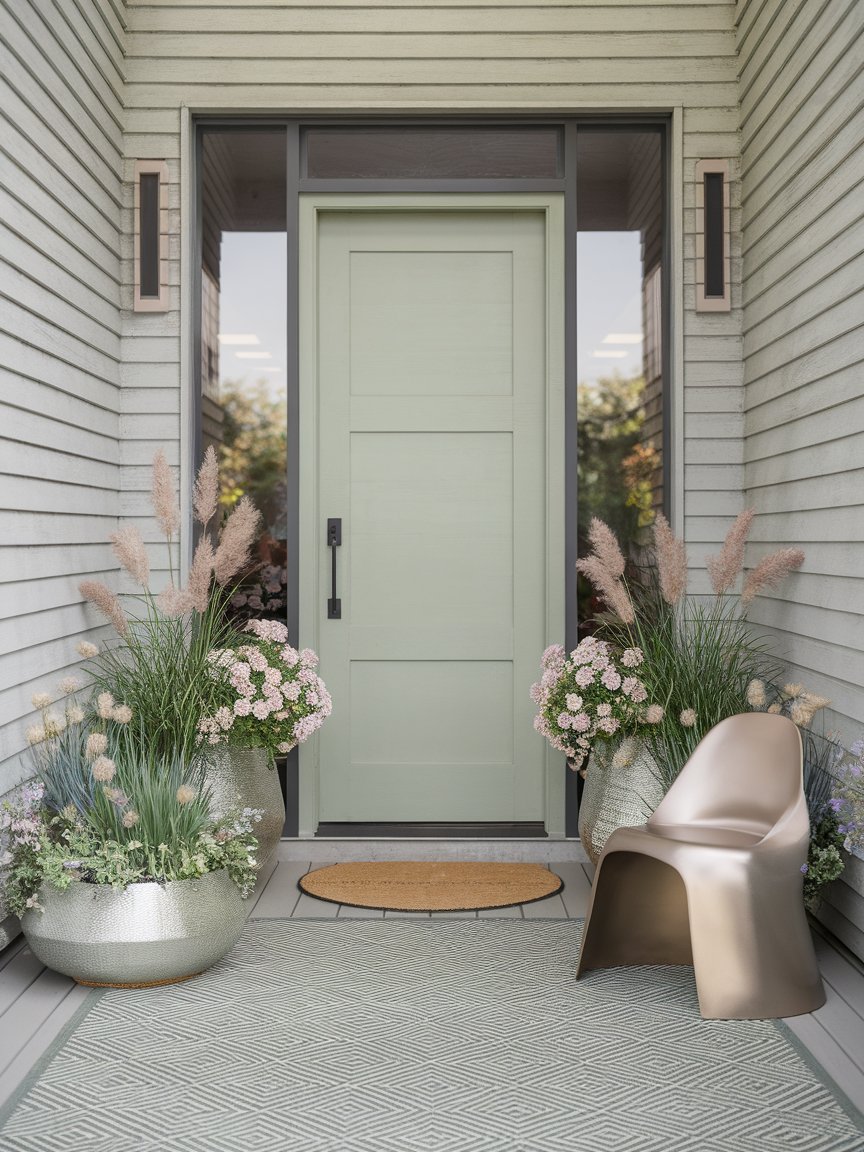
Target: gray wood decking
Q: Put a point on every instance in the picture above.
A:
(35, 1003)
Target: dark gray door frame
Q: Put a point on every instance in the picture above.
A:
(570, 124)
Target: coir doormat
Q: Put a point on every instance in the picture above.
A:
(440, 886)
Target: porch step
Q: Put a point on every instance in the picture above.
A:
(335, 850)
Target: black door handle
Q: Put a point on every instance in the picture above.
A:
(334, 541)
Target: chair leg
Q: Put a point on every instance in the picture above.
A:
(638, 915)
(753, 954)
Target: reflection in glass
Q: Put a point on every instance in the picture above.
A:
(243, 341)
(619, 330)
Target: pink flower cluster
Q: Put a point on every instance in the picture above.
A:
(274, 698)
(585, 696)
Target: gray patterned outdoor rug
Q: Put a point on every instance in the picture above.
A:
(409, 1036)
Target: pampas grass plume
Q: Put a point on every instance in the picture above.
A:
(173, 601)
(198, 588)
(606, 548)
(771, 571)
(205, 498)
(671, 561)
(130, 551)
(107, 603)
(725, 566)
(162, 495)
(235, 544)
(609, 587)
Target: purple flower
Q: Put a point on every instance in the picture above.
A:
(835, 804)
(805, 869)
(857, 748)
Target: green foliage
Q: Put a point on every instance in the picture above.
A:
(615, 468)
(161, 670)
(824, 859)
(124, 815)
(699, 656)
(253, 455)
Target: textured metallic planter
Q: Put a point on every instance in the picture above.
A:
(246, 778)
(146, 934)
(616, 797)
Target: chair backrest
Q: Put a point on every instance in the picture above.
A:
(746, 774)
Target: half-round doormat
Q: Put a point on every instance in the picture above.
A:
(441, 886)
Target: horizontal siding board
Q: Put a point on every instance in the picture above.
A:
(791, 422)
(818, 367)
(835, 461)
(35, 44)
(815, 38)
(27, 427)
(30, 132)
(411, 5)
(820, 265)
(836, 293)
(844, 630)
(785, 189)
(101, 50)
(769, 268)
(52, 219)
(451, 18)
(76, 133)
(43, 242)
(633, 70)
(45, 299)
(91, 208)
(518, 95)
(830, 91)
(37, 461)
(45, 561)
(41, 333)
(241, 47)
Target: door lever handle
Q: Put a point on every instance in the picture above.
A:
(334, 541)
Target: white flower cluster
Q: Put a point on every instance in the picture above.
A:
(278, 698)
(584, 696)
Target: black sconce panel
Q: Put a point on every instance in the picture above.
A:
(148, 239)
(715, 285)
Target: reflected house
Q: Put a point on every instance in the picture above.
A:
(425, 229)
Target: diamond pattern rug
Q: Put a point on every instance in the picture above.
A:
(409, 1036)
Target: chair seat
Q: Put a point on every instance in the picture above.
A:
(711, 835)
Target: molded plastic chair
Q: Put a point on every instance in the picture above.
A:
(714, 878)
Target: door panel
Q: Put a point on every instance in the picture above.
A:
(431, 396)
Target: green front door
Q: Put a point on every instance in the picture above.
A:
(436, 439)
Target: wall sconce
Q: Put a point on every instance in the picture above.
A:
(713, 234)
(151, 236)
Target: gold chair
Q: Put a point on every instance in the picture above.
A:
(714, 878)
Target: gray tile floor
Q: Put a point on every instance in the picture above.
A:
(35, 1003)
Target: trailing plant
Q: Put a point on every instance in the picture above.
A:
(108, 810)
(269, 695)
(822, 754)
(160, 665)
(847, 801)
(824, 859)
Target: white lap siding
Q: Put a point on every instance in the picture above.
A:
(802, 136)
(61, 149)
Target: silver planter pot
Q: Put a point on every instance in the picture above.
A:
(247, 778)
(146, 934)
